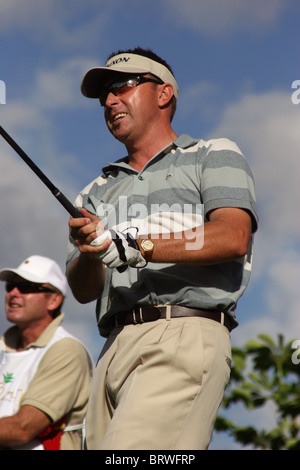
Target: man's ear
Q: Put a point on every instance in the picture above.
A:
(55, 300)
(166, 94)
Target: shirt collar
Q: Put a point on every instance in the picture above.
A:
(183, 141)
(11, 337)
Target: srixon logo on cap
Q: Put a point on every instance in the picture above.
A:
(118, 61)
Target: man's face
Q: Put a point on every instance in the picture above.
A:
(129, 114)
(23, 308)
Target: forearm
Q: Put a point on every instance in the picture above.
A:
(22, 427)
(86, 278)
(11, 433)
(217, 241)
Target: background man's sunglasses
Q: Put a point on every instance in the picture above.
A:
(27, 287)
(118, 88)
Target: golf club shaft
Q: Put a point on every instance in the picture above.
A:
(55, 191)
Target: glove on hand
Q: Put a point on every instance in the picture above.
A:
(123, 251)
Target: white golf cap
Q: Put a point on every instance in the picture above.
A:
(38, 269)
(94, 79)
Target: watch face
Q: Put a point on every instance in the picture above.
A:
(147, 245)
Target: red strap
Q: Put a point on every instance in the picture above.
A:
(51, 436)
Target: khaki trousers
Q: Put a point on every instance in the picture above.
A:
(158, 386)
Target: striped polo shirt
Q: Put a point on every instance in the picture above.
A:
(174, 191)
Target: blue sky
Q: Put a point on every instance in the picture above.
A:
(235, 62)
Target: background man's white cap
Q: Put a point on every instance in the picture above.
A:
(94, 80)
(38, 269)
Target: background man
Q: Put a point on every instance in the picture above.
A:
(166, 275)
(45, 371)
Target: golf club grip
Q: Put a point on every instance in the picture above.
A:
(55, 191)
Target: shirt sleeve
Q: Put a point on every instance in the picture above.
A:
(61, 383)
(227, 180)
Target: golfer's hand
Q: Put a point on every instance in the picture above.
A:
(123, 251)
(84, 230)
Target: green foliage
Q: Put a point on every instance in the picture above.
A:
(263, 373)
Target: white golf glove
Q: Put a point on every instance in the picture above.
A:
(123, 251)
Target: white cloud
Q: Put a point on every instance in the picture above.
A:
(58, 22)
(72, 23)
(51, 89)
(215, 17)
(266, 127)
(27, 209)
(19, 114)
(203, 92)
(59, 87)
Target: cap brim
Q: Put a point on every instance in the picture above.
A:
(7, 274)
(96, 78)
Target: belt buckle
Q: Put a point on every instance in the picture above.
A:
(137, 312)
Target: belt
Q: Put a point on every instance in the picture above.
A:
(148, 314)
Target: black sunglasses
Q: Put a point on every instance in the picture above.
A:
(118, 88)
(27, 288)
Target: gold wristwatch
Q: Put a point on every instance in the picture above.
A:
(148, 246)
